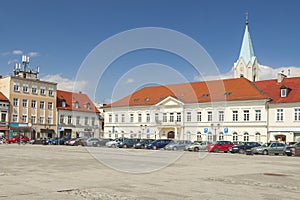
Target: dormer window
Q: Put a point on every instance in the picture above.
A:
(76, 104)
(63, 103)
(283, 92)
(88, 106)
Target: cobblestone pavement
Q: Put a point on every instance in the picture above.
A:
(62, 172)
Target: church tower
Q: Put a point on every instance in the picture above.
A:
(247, 65)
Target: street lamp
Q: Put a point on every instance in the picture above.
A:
(215, 127)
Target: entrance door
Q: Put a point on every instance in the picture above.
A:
(171, 135)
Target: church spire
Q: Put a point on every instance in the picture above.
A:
(247, 52)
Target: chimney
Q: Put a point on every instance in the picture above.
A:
(280, 77)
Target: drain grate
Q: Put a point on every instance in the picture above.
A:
(274, 174)
(66, 190)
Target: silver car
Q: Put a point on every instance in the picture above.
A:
(177, 145)
(272, 148)
(197, 146)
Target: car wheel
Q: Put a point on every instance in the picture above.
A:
(196, 149)
(175, 148)
(241, 151)
(113, 146)
(154, 147)
(216, 150)
(265, 152)
(125, 146)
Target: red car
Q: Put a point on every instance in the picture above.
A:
(219, 146)
(25, 139)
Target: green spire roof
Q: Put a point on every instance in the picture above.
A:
(247, 52)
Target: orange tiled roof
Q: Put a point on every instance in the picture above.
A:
(3, 97)
(272, 89)
(71, 98)
(209, 91)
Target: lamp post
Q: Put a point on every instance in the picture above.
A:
(215, 127)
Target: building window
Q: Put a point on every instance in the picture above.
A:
(63, 104)
(165, 117)
(33, 119)
(3, 117)
(24, 118)
(139, 117)
(171, 117)
(42, 105)
(234, 115)
(188, 116)
(131, 118)
(25, 88)
(246, 137)
(283, 92)
(246, 115)
(199, 117)
(209, 136)
(297, 114)
(235, 137)
(221, 116)
(78, 120)
(15, 102)
(62, 119)
(49, 120)
(148, 117)
(24, 103)
(110, 118)
(42, 91)
(50, 106)
(88, 106)
(279, 115)
(34, 90)
(16, 87)
(15, 118)
(42, 120)
(69, 119)
(199, 137)
(122, 118)
(93, 121)
(156, 118)
(257, 115)
(86, 120)
(76, 104)
(257, 137)
(178, 117)
(33, 103)
(221, 136)
(116, 118)
(209, 116)
(50, 92)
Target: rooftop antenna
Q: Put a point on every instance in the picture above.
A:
(25, 62)
(247, 18)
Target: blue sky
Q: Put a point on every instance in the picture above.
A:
(59, 34)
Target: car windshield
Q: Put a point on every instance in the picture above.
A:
(266, 145)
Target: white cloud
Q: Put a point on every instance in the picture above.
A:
(130, 80)
(33, 54)
(17, 52)
(65, 83)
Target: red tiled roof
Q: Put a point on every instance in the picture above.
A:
(209, 91)
(3, 97)
(71, 98)
(272, 89)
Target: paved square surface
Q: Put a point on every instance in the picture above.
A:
(62, 172)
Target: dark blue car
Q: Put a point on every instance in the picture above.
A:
(158, 144)
(241, 148)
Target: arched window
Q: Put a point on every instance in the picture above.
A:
(257, 137)
(209, 136)
(221, 136)
(76, 104)
(235, 137)
(199, 137)
(246, 137)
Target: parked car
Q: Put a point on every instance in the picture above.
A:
(114, 143)
(177, 145)
(142, 144)
(293, 150)
(71, 142)
(220, 146)
(128, 143)
(25, 139)
(103, 141)
(91, 142)
(158, 144)
(243, 147)
(274, 148)
(197, 146)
